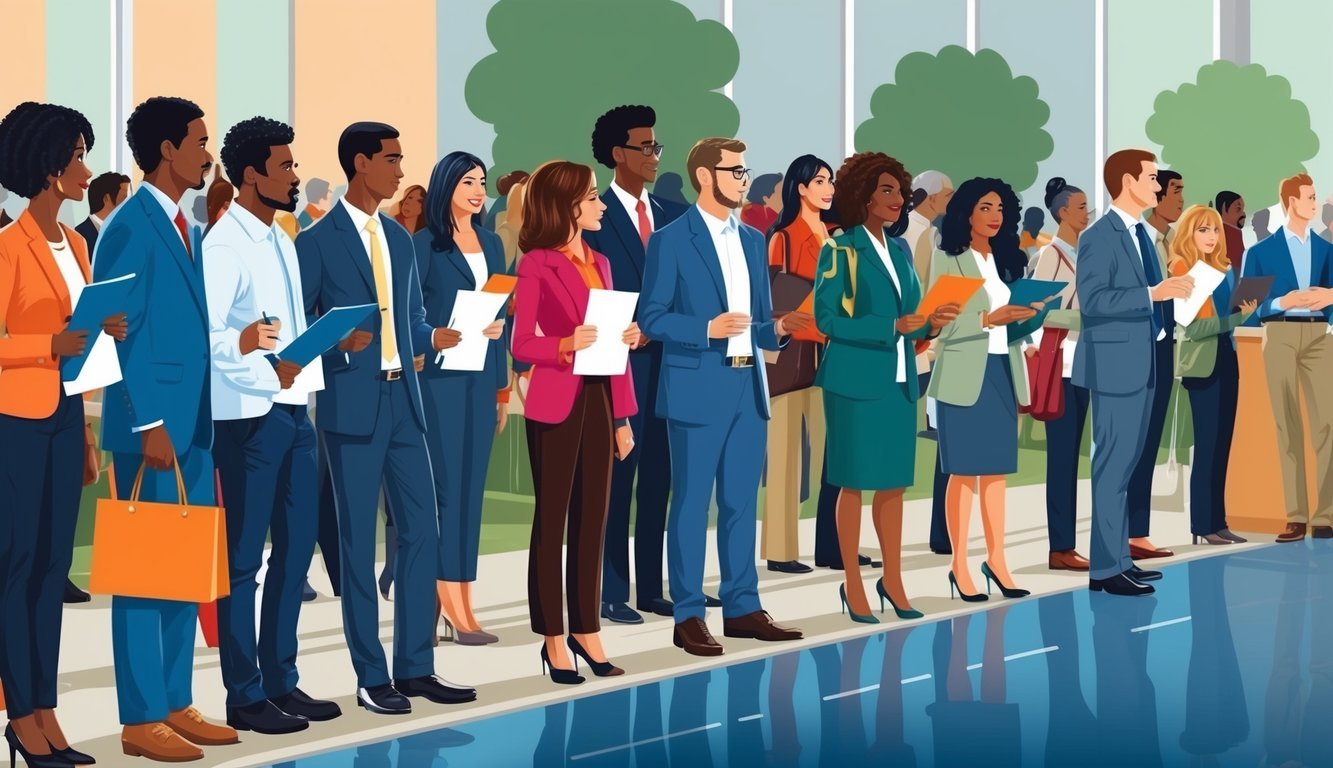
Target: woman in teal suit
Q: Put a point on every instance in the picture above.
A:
(866, 295)
(980, 378)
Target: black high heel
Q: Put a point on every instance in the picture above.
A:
(1009, 592)
(953, 585)
(599, 668)
(16, 750)
(73, 756)
(558, 675)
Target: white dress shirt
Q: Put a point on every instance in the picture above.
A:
(250, 271)
(900, 374)
(359, 219)
(998, 293)
(477, 263)
(96, 220)
(170, 208)
(735, 276)
(1131, 223)
(631, 204)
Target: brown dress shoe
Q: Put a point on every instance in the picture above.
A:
(1321, 532)
(759, 626)
(157, 741)
(693, 636)
(192, 725)
(1294, 532)
(1143, 553)
(1067, 560)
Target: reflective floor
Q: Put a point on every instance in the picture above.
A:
(1231, 663)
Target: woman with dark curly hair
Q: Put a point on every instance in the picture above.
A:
(980, 378)
(47, 453)
(867, 309)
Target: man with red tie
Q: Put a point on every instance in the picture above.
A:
(623, 140)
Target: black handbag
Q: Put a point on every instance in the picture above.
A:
(794, 368)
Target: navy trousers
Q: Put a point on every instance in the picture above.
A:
(460, 410)
(1213, 405)
(1064, 436)
(1140, 482)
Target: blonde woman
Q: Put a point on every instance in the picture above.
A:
(1207, 366)
(511, 222)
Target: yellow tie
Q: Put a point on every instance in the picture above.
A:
(388, 341)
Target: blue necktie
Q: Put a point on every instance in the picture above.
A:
(1148, 252)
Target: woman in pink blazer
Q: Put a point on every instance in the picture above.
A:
(576, 425)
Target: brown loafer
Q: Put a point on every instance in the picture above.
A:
(1143, 553)
(1294, 532)
(157, 741)
(191, 724)
(693, 637)
(1067, 560)
(1321, 532)
(759, 626)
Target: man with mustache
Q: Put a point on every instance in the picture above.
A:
(264, 444)
(159, 417)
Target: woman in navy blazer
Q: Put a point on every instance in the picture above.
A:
(464, 409)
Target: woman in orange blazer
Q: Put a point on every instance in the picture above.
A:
(43, 439)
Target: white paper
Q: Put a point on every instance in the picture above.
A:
(611, 312)
(101, 369)
(473, 311)
(1206, 280)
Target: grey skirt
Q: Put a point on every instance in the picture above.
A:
(982, 438)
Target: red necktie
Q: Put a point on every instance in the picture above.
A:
(185, 232)
(645, 226)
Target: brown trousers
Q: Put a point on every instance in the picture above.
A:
(571, 472)
(1298, 358)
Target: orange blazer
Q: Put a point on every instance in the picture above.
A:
(34, 307)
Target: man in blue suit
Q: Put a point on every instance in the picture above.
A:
(706, 300)
(1124, 302)
(1298, 353)
(373, 422)
(624, 141)
(159, 416)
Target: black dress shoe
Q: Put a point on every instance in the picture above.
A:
(1143, 575)
(620, 613)
(788, 566)
(298, 703)
(942, 550)
(1120, 584)
(75, 595)
(383, 700)
(864, 561)
(434, 689)
(712, 602)
(265, 717)
(657, 605)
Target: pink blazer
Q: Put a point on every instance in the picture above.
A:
(551, 293)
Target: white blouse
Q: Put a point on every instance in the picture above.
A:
(998, 293)
(882, 249)
(477, 263)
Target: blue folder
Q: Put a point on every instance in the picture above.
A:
(327, 331)
(1025, 292)
(98, 301)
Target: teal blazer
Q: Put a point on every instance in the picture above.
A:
(861, 359)
(960, 360)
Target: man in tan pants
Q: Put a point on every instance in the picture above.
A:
(780, 544)
(1298, 354)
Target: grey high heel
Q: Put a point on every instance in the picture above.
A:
(1229, 536)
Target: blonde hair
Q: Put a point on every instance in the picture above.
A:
(514, 204)
(1183, 249)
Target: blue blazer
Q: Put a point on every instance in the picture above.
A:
(619, 242)
(443, 274)
(1271, 256)
(683, 291)
(1115, 347)
(164, 359)
(335, 272)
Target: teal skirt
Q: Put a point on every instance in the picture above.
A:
(871, 444)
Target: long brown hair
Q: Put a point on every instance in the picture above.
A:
(397, 210)
(1183, 249)
(552, 196)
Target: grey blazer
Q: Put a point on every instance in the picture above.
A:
(1115, 349)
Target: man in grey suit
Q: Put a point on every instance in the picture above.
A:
(1124, 302)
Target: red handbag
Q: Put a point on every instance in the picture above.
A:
(1045, 377)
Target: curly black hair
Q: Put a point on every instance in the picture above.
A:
(248, 145)
(612, 130)
(956, 229)
(856, 182)
(159, 119)
(37, 141)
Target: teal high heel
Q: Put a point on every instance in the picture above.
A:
(1009, 592)
(859, 619)
(910, 613)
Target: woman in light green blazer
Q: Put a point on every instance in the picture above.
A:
(980, 378)
(866, 295)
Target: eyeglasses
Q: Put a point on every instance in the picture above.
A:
(738, 172)
(647, 149)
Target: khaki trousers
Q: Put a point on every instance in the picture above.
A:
(1298, 358)
(782, 506)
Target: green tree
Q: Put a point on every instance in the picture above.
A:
(961, 113)
(557, 66)
(1235, 128)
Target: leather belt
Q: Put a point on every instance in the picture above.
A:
(744, 361)
(1294, 319)
(391, 375)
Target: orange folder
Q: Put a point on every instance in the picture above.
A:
(498, 283)
(949, 289)
(812, 333)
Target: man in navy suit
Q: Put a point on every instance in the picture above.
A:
(105, 192)
(624, 141)
(706, 300)
(159, 416)
(373, 422)
(1125, 305)
(1298, 352)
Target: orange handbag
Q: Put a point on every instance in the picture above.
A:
(159, 550)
